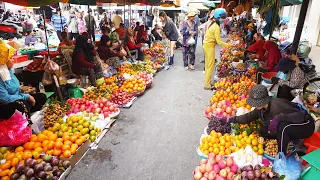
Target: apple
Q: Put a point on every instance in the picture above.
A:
(223, 173)
(228, 169)
(234, 168)
(212, 175)
(230, 161)
(203, 168)
(204, 178)
(218, 157)
(203, 161)
(209, 167)
(230, 176)
(197, 175)
(211, 156)
(216, 168)
(222, 164)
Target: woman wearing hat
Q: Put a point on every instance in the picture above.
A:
(11, 99)
(211, 38)
(171, 32)
(189, 30)
(294, 77)
(282, 119)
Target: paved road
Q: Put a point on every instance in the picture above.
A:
(157, 137)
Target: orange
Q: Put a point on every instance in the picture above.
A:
(65, 137)
(83, 139)
(37, 144)
(222, 148)
(52, 137)
(33, 138)
(227, 151)
(65, 147)
(59, 139)
(58, 145)
(45, 143)
(4, 173)
(68, 143)
(14, 162)
(50, 145)
(50, 152)
(26, 155)
(35, 155)
(56, 152)
(28, 146)
(222, 142)
(19, 149)
(73, 138)
(67, 153)
(39, 149)
(73, 150)
(74, 146)
(77, 134)
(228, 144)
(41, 137)
(228, 138)
(79, 142)
(10, 156)
(45, 132)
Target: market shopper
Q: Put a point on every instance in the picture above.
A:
(91, 25)
(212, 37)
(170, 30)
(117, 20)
(81, 24)
(294, 77)
(189, 32)
(83, 61)
(11, 99)
(121, 31)
(73, 30)
(109, 55)
(284, 120)
(65, 43)
(58, 21)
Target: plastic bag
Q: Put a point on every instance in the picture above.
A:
(191, 41)
(14, 131)
(37, 122)
(304, 49)
(47, 79)
(51, 67)
(288, 167)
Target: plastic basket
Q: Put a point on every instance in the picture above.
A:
(312, 142)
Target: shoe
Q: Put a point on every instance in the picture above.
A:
(166, 67)
(191, 67)
(171, 61)
(207, 88)
(202, 61)
(186, 68)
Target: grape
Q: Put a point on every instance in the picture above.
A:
(216, 125)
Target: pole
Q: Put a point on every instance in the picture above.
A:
(61, 17)
(299, 28)
(45, 29)
(89, 19)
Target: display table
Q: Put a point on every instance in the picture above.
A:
(21, 65)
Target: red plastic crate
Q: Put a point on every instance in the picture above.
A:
(19, 58)
(312, 143)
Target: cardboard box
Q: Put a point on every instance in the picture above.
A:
(80, 152)
(15, 45)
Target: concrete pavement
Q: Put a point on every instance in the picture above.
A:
(158, 136)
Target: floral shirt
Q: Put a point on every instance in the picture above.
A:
(296, 79)
(185, 32)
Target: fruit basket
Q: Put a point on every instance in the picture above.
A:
(113, 115)
(138, 93)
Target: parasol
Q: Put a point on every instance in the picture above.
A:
(31, 2)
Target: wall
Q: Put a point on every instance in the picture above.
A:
(313, 25)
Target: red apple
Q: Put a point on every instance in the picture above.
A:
(223, 173)
(212, 175)
(209, 167)
(230, 161)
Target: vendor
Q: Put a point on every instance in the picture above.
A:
(65, 43)
(282, 119)
(294, 77)
(31, 39)
(109, 55)
(83, 61)
(257, 48)
(130, 42)
(11, 99)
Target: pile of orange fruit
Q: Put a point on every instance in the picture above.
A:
(229, 95)
(133, 85)
(217, 143)
(242, 140)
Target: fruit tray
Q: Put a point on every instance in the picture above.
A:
(202, 156)
(129, 104)
(115, 114)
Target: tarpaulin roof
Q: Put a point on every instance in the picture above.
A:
(119, 2)
(31, 2)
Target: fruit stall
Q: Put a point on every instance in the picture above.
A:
(63, 131)
(237, 151)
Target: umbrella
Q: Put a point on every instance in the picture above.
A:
(31, 2)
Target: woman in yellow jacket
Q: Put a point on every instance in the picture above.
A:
(212, 37)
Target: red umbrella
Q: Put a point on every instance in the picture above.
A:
(31, 2)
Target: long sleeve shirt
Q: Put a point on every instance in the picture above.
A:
(185, 32)
(213, 36)
(30, 39)
(257, 47)
(132, 45)
(10, 90)
(78, 62)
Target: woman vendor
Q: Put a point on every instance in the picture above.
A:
(109, 55)
(294, 77)
(11, 99)
(31, 39)
(282, 119)
(257, 47)
(83, 62)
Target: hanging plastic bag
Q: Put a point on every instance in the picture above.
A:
(37, 122)
(290, 168)
(51, 67)
(191, 41)
(47, 79)
(14, 131)
(304, 49)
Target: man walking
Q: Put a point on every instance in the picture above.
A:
(91, 25)
(58, 21)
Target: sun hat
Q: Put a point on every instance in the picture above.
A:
(258, 96)
(250, 25)
(6, 52)
(191, 14)
(285, 64)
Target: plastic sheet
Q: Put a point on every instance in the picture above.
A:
(14, 131)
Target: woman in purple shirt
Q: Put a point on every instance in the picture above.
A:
(30, 39)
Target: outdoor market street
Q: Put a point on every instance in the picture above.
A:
(158, 136)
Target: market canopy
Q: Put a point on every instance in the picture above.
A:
(119, 2)
(282, 2)
(31, 2)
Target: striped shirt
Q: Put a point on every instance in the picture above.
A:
(56, 22)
